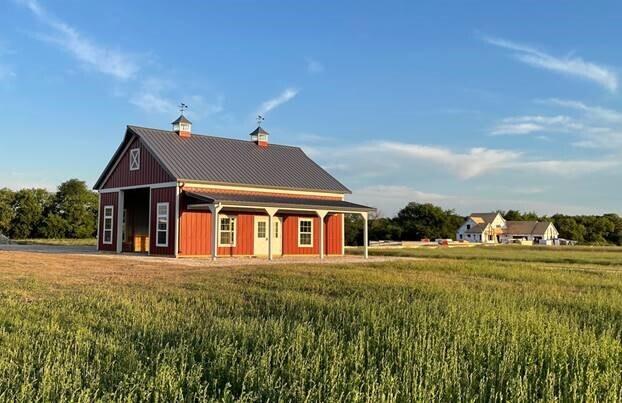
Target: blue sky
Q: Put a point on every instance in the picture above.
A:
(469, 105)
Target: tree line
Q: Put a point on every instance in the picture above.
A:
(70, 212)
(417, 221)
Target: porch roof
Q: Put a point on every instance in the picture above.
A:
(280, 202)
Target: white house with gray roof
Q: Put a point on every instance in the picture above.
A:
(492, 228)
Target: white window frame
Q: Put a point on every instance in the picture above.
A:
(158, 230)
(134, 159)
(233, 224)
(300, 221)
(111, 229)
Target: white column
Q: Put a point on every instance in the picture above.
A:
(99, 210)
(271, 212)
(343, 234)
(322, 214)
(120, 203)
(366, 235)
(177, 220)
(214, 209)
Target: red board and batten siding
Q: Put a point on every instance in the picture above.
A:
(333, 240)
(195, 233)
(108, 199)
(196, 226)
(150, 172)
(163, 195)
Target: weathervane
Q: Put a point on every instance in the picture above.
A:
(259, 120)
(182, 107)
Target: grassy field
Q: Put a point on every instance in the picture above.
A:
(58, 242)
(112, 329)
(510, 253)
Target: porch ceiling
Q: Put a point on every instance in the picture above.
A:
(280, 202)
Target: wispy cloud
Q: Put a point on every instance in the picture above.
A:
(271, 104)
(595, 112)
(108, 61)
(521, 125)
(152, 97)
(314, 66)
(568, 65)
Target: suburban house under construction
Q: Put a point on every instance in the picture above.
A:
(176, 193)
(493, 228)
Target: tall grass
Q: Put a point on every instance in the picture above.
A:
(405, 331)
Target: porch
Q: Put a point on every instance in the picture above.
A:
(264, 225)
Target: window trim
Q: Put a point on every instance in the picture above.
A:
(300, 221)
(111, 230)
(233, 229)
(135, 156)
(168, 219)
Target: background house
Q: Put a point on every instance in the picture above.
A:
(493, 228)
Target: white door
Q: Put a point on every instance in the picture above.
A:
(261, 236)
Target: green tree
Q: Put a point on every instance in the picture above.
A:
(569, 228)
(53, 226)
(353, 229)
(7, 197)
(419, 221)
(77, 206)
(28, 207)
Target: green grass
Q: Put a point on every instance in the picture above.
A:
(571, 255)
(58, 242)
(435, 330)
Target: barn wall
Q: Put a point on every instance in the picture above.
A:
(163, 195)
(290, 236)
(108, 199)
(196, 234)
(333, 244)
(150, 172)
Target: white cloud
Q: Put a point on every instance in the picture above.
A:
(104, 60)
(314, 67)
(569, 65)
(518, 125)
(465, 165)
(152, 98)
(595, 112)
(390, 199)
(274, 103)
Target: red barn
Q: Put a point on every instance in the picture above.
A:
(177, 193)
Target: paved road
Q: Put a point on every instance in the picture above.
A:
(82, 250)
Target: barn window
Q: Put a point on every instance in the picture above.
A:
(162, 225)
(226, 233)
(108, 224)
(305, 232)
(134, 159)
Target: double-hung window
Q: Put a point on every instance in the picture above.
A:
(134, 159)
(108, 224)
(162, 225)
(305, 232)
(226, 231)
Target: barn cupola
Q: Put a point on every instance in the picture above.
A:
(182, 126)
(259, 136)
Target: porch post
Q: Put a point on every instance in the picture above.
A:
(177, 220)
(99, 209)
(366, 235)
(322, 214)
(271, 212)
(215, 209)
(120, 208)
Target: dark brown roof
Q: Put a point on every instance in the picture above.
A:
(476, 229)
(527, 227)
(258, 130)
(181, 119)
(487, 217)
(277, 201)
(221, 160)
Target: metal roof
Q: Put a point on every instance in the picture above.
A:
(258, 130)
(230, 161)
(283, 202)
(181, 119)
